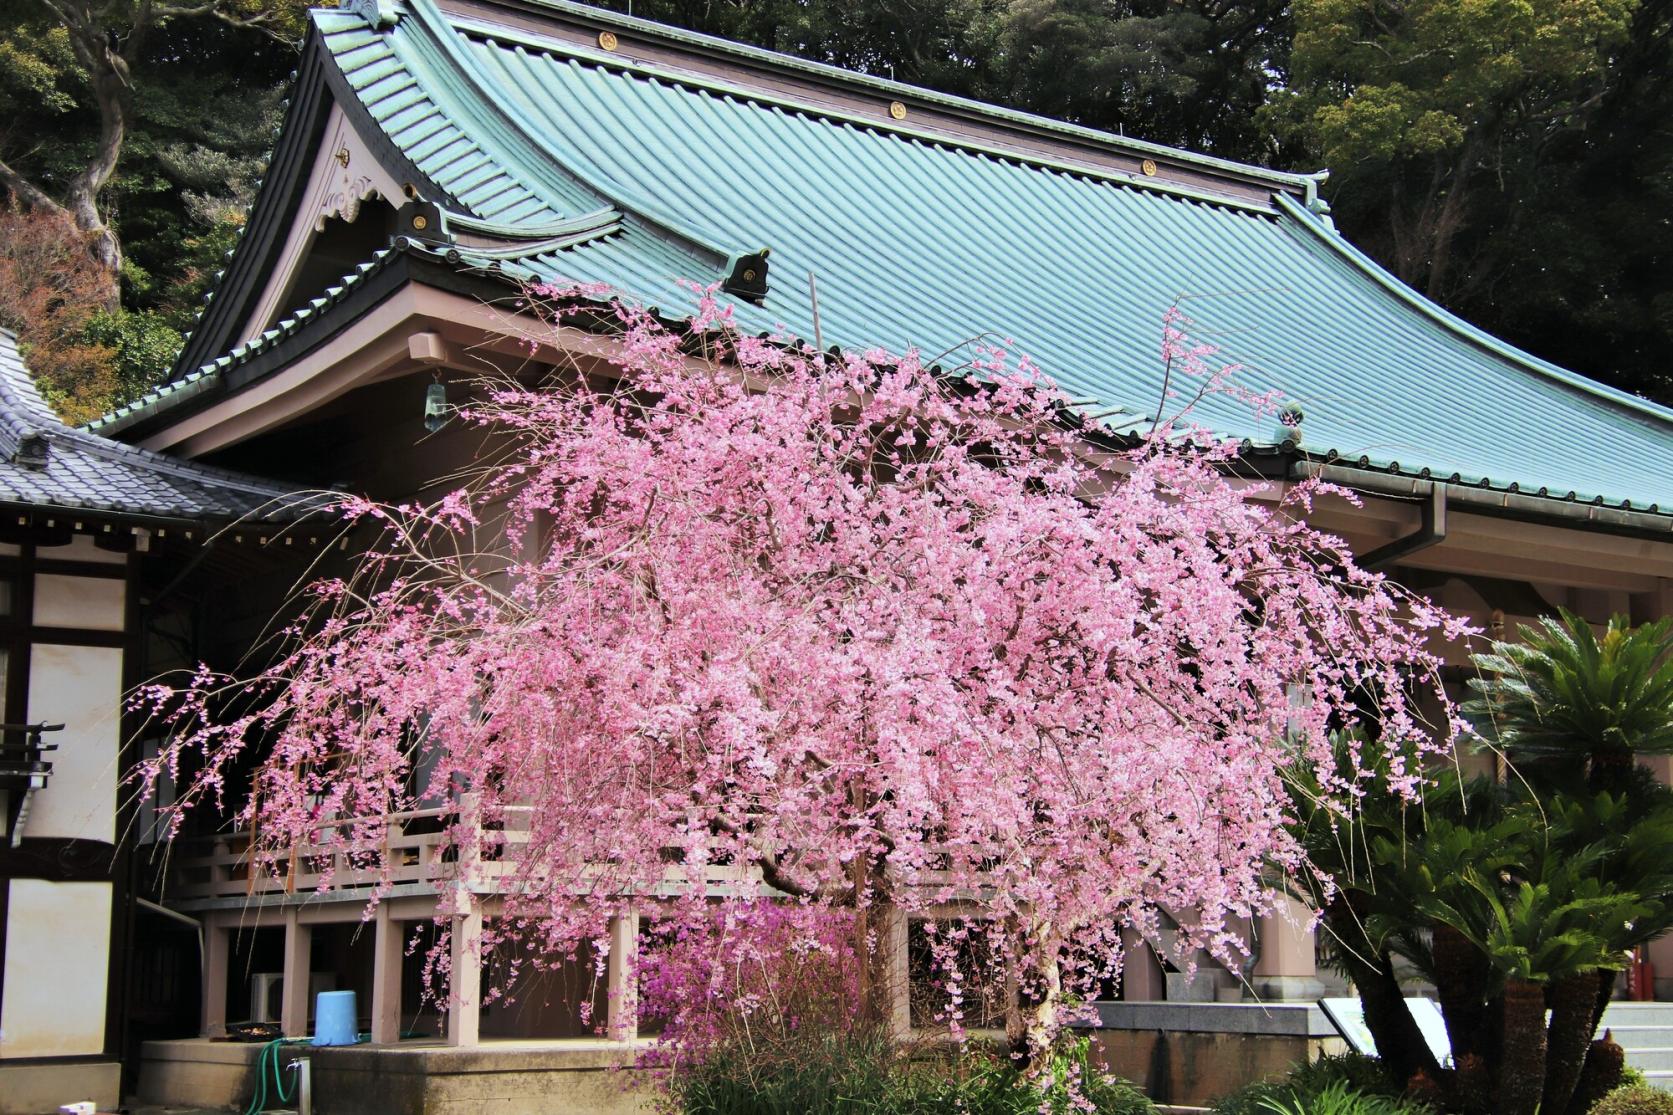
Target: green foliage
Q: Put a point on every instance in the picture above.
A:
(1361, 1073)
(1253, 1099)
(1344, 1084)
(144, 344)
(1635, 1099)
(1537, 886)
(1561, 692)
(1336, 1098)
(1508, 159)
(863, 1073)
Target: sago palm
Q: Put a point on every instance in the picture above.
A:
(1562, 698)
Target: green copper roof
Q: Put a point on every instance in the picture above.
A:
(920, 236)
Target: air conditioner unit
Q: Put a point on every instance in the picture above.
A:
(267, 993)
(266, 996)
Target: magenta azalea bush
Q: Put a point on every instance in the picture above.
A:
(754, 978)
(724, 618)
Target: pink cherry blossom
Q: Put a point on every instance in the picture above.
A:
(738, 619)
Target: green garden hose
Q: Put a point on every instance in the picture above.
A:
(270, 1061)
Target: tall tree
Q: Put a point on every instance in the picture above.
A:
(82, 56)
(1424, 109)
(1191, 74)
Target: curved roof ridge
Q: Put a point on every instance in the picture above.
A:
(1444, 317)
(516, 129)
(679, 36)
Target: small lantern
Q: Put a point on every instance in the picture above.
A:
(435, 406)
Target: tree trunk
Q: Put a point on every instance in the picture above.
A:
(1569, 1036)
(1034, 991)
(1605, 1062)
(1522, 1067)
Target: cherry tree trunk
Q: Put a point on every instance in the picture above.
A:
(1034, 993)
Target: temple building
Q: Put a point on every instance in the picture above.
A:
(84, 522)
(438, 155)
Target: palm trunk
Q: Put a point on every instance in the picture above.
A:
(1573, 1000)
(1461, 974)
(1522, 1067)
(1400, 1043)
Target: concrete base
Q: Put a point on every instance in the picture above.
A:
(412, 1078)
(197, 1072)
(1191, 1054)
(1194, 1070)
(43, 1087)
(1293, 989)
(507, 1078)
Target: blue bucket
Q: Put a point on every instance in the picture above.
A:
(334, 1019)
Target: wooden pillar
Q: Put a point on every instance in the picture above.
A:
(464, 984)
(217, 946)
(1288, 965)
(892, 939)
(299, 939)
(622, 991)
(387, 951)
(1141, 973)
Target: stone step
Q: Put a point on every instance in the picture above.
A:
(1659, 1079)
(1639, 1037)
(1639, 1014)
(1655, 1058)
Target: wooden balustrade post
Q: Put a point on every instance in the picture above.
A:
(621, 978)
(299, 939)
(217, 946)
(388, 949)
(464, 984)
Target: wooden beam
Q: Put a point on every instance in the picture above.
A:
(217, 945)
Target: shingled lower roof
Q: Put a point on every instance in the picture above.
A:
(925, 229)
(45, 464)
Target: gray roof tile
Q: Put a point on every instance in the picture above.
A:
(84, 472)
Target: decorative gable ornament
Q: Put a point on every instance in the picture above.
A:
(378, 14)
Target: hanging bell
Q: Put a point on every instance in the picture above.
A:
(435, 406)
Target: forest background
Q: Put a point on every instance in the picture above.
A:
(1512, 159)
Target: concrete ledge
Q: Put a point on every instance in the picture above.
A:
(411, 1078)
(197, 1072)
(1302, 1020)
(41, 1087)
(1177, 1068)
(508, 1078)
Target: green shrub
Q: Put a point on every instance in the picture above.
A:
(1337, 1098)
(1251, 1099)
(1635, 1099)
(1342, 1084)
(1358, 1071)
(864, 1074)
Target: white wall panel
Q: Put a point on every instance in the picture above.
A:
(89, 603)
(81, 688)
(57, 969)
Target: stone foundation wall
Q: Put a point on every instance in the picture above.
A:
(40, 1088)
